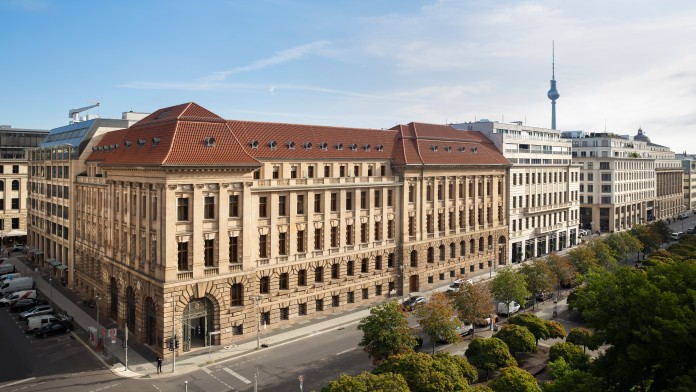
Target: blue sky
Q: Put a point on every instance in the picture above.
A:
(619, 64)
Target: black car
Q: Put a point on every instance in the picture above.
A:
(54, 328)
(541, 296)
(411, 302)
(25, 304)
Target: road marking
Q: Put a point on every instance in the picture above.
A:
(345, 351)
(210, 373)
(17, 382)
(239, 376)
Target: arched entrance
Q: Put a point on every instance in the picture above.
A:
(114, 299)
(130, 308)
(150, 321)
(197, 322)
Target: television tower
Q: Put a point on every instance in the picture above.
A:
(553, 93)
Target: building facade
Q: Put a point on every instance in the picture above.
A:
(54, 166)
(13, 180)
(669, 177)
(187, 223)
(617, 180)
(544, 187)
(688, 163)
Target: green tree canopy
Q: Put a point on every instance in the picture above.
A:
(603, 254)
(509, 285)
(438, 319)
(517, 338)
(536, 325)
(446, 362)
(538, 276)
(423, 374)
(514, 379)
(561, 268)
(489, 354)
(583, 337)
(555, 328)
(368, 382)
(386, 332)
(575, 381)
(571, 353)
(473, 301)
(583, 258)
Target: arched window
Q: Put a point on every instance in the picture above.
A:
(453, 250)
(462, 247)
(472, 245)
(431, 255)
(15, 185)
(414, 258)
(481, 244)
(442, 253)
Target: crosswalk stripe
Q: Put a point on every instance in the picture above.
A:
(239, 376)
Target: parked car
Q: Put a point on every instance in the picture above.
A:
(37, 322)
(583, 232)
(19, 248)
(677, 236)
(543, 295)
(411, 302)
(690, 230)
(683, 215)
(54, 328)
(25, 304)
(11, 298)
(514, 307)
(454, 286)
(37, 310)
(483, 321)
(463, 330)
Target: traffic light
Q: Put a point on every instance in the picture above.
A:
(176, 342)
(171, 344)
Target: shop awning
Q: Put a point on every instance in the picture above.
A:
(15, 233)
(53, 261)
(62, 267)
(38, 253)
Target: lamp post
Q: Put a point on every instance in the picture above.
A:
(210, 342)
(50, 282)
(174, 337)
(490, 262)
(257, 299)
(97, 298)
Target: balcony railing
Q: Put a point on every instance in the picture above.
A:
(184, 275)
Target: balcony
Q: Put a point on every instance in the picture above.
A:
(293, 182)
(236, 267)
(211, 271)
(548, 229)
(184, 275)
(550, 207)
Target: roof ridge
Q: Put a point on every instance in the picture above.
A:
(171, 142)
(234, 136)
(415, 140)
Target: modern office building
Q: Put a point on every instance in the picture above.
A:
(669, 178)
(543, 200)
(617, 180)
(54, 166)
(688, 162)
(13, 180)
(188, 224)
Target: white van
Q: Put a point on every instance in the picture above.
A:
(503, 308)
(6, 268)
(23, 283)
(36, 322)
(9, 276)
(9, 299)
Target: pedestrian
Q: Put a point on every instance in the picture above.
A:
(159, 364)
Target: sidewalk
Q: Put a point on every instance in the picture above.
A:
(141, 359)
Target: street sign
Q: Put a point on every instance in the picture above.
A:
(112, 332)
(113, 340)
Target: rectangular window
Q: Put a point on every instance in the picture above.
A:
(234, 205)
(319, 305)
(349, 234)
(378, 262)
(310, 171)
(263, 213)
(300, 204)
(378, 289)
(302, 277)
(349, 200)
(350, 297)
(282, 244)
(182, 256)
(264, 285)
(429, 193)
(209, 253)
(390, 260)
(327, 171)
(282, 205)
(378, 199)
(302, 309)
(293, 172)
(390, 198)
(234, 249)
(143, 210)
(284, 281)
(334, 201)
(382, 170)
(209, 207)
(335, 271)
(15, 203)
(300, 241)
(318, 239)
(182, 209)
(334, 237)
(603, 165)
(363, 200)
(364, 267)
(317, 202)
(411, 226)
(378, 231)
(411, 193)
(276, 172)
(285, 313)
(335, 301)
(363, 233)
(390, 229)
(342, 171)
(263, 246)
(350, 268)
(319, 274)
(356, 170)
(365, 293)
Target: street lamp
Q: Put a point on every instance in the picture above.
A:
(257, 299)
(97, 298)
(490, 262)
(50, 282)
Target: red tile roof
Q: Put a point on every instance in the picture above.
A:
(189, 135)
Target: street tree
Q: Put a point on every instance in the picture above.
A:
(623, 244)
(555, 328)
(473, 302)
(508, 286)
(583, 337)
(538, 276)
(386, 332)
(662, 230)
(514, 379)
(573, 380)
(571, 353)
(561, 268)
(517, 338)
(448, 363)
(423, 373)
(536, 325)
(438, 318)
(368, 382)
(489, 354)
(649, 238)
(583, 258)
(603, 254)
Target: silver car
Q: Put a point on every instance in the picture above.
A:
(36, 311)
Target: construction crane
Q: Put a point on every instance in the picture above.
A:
(74, 113)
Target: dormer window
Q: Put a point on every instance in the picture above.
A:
(323, 146)
(380, 148)
(291, 145)
(94, 148)
(339, 147)
(366, 147)
(162, 115)
(272, 144)
(141, 142)
(128, 143)
(155, 141)
(254, 144)
(448, 148)
(462, 149)
(209, 141)
(474, 149)
(354, 147)
(307, 145)
(434, 148)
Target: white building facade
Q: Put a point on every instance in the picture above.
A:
(544, 187)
